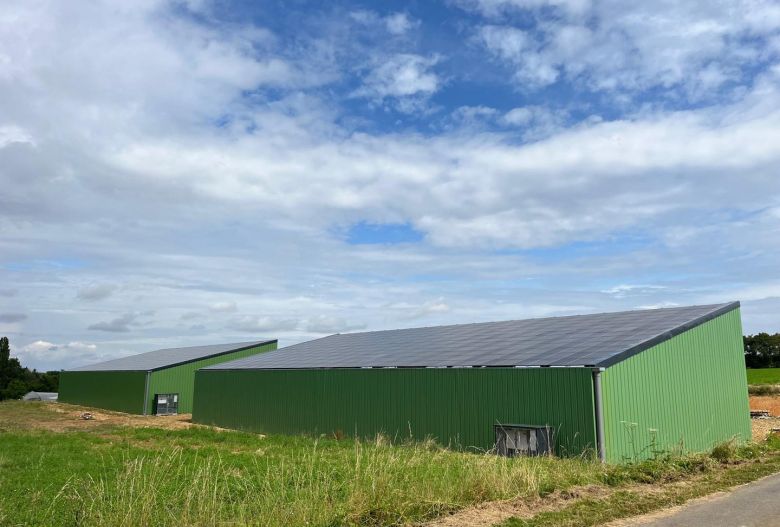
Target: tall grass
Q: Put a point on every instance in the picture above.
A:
(374, 483)
(121, 476)
(763, 389)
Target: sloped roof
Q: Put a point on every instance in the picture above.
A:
(596, 340)
(165, 358)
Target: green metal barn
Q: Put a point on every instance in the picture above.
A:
(157, 382)
(626, 385)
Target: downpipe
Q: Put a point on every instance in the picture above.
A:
(599, 411)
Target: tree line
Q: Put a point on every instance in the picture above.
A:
(16, 380)
(762, 350)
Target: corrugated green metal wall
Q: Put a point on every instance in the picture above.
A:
(180, 379)
(690, 390)
(122, 391)
(457, 406)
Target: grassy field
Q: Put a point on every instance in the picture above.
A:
(763, 376)
(55, 470)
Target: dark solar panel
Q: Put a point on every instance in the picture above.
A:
(581, 340)
(153, 360)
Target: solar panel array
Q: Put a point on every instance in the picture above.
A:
(162, 358)
(581, 340)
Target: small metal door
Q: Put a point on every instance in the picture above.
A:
(166, 404)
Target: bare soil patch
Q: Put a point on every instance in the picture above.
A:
(766, 402)
(494, 512)
(61, 417)
(763, 427)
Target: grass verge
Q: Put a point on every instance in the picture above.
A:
(113, 475)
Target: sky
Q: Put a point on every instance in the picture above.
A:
(182, 172)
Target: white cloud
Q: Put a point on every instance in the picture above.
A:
(401, 75)
(536, 121)
(694, 46)
(399, 23)
(45, 352)
(11, 134)
(396, 24)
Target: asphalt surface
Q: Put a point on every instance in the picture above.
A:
(754, 505)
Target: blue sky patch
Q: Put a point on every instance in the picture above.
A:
(364, 233)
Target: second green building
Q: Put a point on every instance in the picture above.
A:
(157, 382)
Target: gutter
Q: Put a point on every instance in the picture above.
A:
(599, 414)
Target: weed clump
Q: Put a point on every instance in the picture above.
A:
(724, 452)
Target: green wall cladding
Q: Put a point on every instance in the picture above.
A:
(687, 393)
(456, 406)
(180, 379)
(122, 391)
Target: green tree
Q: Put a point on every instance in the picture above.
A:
(5, 353)
(762, 350)
(15, 380)
(15, 389)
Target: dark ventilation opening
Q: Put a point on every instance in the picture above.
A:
(166, 404)
(524, 440)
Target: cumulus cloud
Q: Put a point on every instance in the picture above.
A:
(694, 46)
(67, 354)
(401, 75)
(399, 23)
